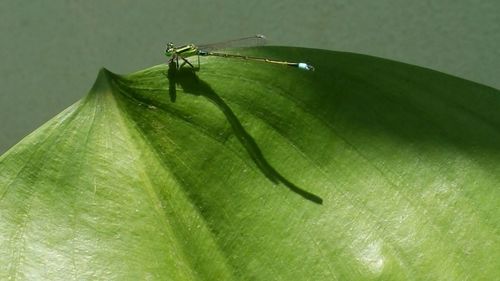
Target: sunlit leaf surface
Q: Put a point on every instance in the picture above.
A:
(218, 175)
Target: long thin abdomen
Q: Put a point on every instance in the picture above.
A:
(300, 65)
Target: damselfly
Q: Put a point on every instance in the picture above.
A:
(190, 50)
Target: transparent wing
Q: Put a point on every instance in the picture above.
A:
(250, 41)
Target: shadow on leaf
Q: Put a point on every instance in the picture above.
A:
(192, 84)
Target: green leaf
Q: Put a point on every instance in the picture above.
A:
(217, 175)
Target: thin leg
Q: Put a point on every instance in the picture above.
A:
(186, 61)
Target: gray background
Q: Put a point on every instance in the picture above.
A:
(51, 50)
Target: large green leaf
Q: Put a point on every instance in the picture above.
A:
(216, 174)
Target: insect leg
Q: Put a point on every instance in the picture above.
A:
(186, 61)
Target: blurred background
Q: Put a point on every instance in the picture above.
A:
(51, 51)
